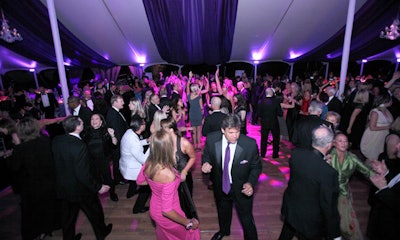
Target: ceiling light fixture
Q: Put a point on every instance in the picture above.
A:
(6, 33)
(392, 32)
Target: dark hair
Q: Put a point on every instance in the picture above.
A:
(136, 123)
(382, 98)
(70, 123)
(231, 121)
(323, 97)
(28, 129)
(103, 120)
(8, 124)
(240, 99)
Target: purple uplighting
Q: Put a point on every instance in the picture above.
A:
(263, 177)
(134, 224)
(276, 183)
(293, 54)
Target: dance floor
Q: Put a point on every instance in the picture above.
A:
(267, 204)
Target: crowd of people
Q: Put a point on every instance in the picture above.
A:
(146, 134)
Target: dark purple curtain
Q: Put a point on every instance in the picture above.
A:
(32, 21)
(192, 31)
(372, 17)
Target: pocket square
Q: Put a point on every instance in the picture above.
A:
(244, 162)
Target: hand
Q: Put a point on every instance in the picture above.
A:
(195, 224)
(104, 189)
(348, 131)
(183, 176)
(379, 180)
(247, 189)
(206, 167)
(379, 167)
(217, 72)
(328, 158)
(165, 109)
(110, 131)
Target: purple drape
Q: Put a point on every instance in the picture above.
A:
(192, 31)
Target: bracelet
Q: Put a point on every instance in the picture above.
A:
(113, 136)
(189, 225)
(184, 172)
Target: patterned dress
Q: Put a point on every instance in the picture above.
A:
(348, 220)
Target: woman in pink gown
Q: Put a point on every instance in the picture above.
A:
(164, 180)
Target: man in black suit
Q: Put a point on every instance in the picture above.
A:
(82, 112)
(334, 104)
(47, 102)
(213, 121)
(269, 110)
(116, 120)
(383, 222)
(234, 164)
(75, 185)
(309, 207)
(302, 131)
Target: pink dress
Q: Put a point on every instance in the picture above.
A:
(164, 198)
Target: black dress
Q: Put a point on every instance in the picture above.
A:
(99, 146)
(186, 187)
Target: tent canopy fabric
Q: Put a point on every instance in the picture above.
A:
(107, 33)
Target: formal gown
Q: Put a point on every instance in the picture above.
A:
(372, 142)
(348, 220)
(164, 198)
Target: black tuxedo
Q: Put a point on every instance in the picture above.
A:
(311, 198)
(152, 109)
(116, 121)
(212, 123)
(85, 114)
(335, 105)
(246, 167)
(49, 111)
(383, 221)
(76, 187)
(269, 110)
(302, 131)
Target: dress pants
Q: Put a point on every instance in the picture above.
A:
(244, 209)
(143, 196)
(264, 139)
(288, 233)
(93, 209)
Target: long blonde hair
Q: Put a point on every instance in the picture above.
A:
(161, 153)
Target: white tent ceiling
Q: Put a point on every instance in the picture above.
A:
(268, 30)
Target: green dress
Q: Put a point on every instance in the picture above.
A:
(348, 220)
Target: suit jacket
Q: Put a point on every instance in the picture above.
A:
(302, 132)
(212, 123)
(74, 179)
(383, 222)
(335, 105)
(269, 110)
(116, 122)
(311, 198)
(132, 156)
(152, 109)
(85, 114)
(246, 166)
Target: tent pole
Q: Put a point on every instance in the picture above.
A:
(397, 67)
(326, 69)
(35, 77)
(362, 68)
(346, 47)
(255, 72)
(291, 72)
(59, 53)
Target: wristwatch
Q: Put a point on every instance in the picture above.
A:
(189, 225)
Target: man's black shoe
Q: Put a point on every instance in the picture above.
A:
(219, 236)
(114, 197)
(108, 229)
(143, 210)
